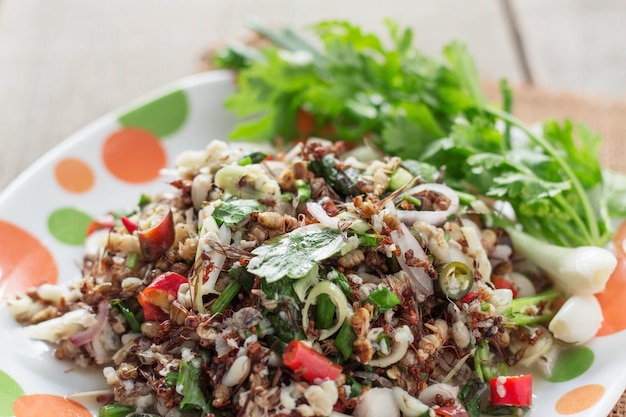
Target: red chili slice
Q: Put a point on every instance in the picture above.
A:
(512, 390)
(308, 363)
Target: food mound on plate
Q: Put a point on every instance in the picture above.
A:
(316, 281)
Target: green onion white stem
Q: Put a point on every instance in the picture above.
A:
(578, 320)
(581, 270)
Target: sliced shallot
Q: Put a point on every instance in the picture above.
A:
(434, 217)
(91, 332)
(420, 282)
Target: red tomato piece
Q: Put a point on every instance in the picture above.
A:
(156, 297)
(512, 390)
(501, 282)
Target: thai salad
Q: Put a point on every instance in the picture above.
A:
(327, 275)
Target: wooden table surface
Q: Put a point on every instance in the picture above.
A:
(64, 63)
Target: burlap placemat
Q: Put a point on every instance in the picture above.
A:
(603, 116)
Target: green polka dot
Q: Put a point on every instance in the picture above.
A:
(162, 117)
(10, 392)
(69, 225)
(571, 363)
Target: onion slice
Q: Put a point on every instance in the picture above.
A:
(434, 217)
(319, 214)
(90, 333)
(420, 282)
(336, 296)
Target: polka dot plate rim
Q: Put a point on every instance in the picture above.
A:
(79, 179)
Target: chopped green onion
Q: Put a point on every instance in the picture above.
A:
(131, 260)
(415, 201)
(384, 299)
(465, 198)
(324, 312)
(252, 158)
(134, 324)
(336, 296)
(484, 364)
(286, 197)
(115, 410)
(399, 179)
(144, 200)
(245, 278)
(455, 279)
(345, 339)
(355, 386)
(303, 190)
(369, 240)
(341, 281)
(226, 297)
(534, 309)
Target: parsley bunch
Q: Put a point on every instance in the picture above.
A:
(348, 85)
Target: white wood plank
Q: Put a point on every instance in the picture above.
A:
(63, 63)
(575, 45)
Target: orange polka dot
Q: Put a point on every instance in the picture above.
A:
(579, 399)
(24, 261)
(45, 405)
(74, 175)
(134, 155)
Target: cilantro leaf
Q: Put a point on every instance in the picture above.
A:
(295, 253)
(351, 85)
(234, 210)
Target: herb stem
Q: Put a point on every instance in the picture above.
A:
(592, 226)
(226, 297)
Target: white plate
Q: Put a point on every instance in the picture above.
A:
(44, 215)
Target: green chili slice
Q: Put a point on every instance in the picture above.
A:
(455, 279)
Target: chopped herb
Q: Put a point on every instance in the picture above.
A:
(234, 210)
(188, 385)
(413, 105)
(134, 324)
(384, 299)
(295, 253)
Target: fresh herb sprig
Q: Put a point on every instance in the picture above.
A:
(433, 110)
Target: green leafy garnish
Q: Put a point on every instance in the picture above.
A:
(234, 210)
(430, 111)
(189, 382)
(295, 253)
